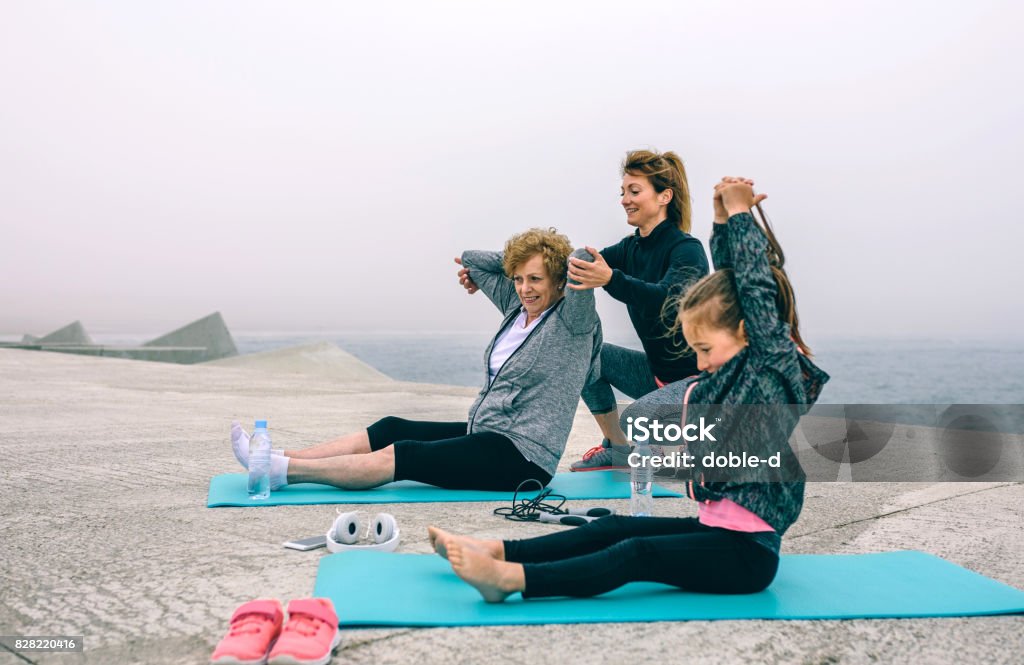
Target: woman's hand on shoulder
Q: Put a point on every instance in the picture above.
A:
(589, 274)
(465, 280)
(734, 195)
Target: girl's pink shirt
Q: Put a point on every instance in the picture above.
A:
(730, 515)
(725, 513)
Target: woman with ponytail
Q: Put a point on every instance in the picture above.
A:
(647, 270)
(741, 323)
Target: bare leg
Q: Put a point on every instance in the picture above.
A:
(356, 443)
(350, 472)
(495, 580)
(609, 424)
(440, 539)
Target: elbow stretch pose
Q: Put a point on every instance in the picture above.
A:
(741, 322)
(545, 351)
(647, 271)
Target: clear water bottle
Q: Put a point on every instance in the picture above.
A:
(259, 462)
(641, 476)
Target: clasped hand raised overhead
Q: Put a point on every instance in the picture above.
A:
(734, 195)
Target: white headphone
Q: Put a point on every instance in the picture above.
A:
(344, 533)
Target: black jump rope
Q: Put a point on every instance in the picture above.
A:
(538, 509)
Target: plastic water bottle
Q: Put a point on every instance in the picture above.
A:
(259, 462)
(641, 498)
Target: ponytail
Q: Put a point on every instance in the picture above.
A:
(785, 299)
(719, 289)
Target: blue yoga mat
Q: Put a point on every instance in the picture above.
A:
(381, 589)
(230, 490)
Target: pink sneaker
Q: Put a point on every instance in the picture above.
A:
(254, 627)
(310, 636)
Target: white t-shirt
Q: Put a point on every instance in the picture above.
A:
(510, 340)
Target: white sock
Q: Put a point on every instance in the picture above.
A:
(278, 471)
(240, 445)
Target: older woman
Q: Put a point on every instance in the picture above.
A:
(546, 350)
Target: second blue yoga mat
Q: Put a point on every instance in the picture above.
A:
(381, 589)
(230, 490)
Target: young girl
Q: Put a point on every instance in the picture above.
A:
(741, 323)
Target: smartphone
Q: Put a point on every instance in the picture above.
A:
(306, 544)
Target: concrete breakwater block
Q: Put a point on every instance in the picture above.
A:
(72, 333)
(202, 340)
(318, 358)
(209, 332)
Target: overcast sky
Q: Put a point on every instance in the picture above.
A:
(313, 166)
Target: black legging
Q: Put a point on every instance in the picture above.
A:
(442, 454)
(609, 552)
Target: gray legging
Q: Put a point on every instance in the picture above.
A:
(628, 371)
(664, 405)
(621, 368)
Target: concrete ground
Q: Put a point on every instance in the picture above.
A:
(104, 530)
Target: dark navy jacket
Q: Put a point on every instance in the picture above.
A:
(645, 273)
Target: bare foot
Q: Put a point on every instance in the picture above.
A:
(495, 580)
(437, 538)
(440, 539)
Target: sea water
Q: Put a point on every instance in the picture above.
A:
(863, 370)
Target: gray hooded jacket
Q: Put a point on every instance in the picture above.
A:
(534, 395)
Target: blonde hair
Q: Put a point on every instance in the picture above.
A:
(553, 247)
(713, 301)
(665, 171)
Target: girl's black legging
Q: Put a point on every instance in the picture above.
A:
(609, 552)
(442, 454)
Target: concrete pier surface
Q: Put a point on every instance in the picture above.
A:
(105, 531)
